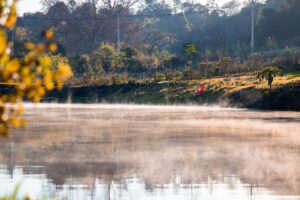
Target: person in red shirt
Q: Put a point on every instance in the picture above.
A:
(202, 89)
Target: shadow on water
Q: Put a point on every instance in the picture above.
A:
(149, 152)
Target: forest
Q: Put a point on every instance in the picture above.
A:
(121, 40)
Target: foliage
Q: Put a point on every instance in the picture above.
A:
(269, 73)
(29, 77)
(159, 77)
(56, 59)
(117, 79)
(190, 51)
(106, 53)
(190, 74)
(158, 25)
(129, 52)
(21, 35)
(173, 76)
(190, 48)
(169, 76)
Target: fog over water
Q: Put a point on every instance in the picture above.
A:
(73, 151)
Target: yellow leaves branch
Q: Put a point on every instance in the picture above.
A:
(30, 77)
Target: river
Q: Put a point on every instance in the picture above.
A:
(129, 152)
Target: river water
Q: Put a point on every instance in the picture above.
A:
(114, 152)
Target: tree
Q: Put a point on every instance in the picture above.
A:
(56, 59)
(190, 51)
(129, 54)
(71, 4)
(232, 7)
(273, 22)
(269, 73)
(81, 26)
(212, 5)
(48, 3)
(112, 4)
(106, 53)
(28, 77)
(275, 4)
(22, 35)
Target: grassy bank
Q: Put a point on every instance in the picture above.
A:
(241, 90)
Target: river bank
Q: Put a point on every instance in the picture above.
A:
(238, 91)
(243, 91)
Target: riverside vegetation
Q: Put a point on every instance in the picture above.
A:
(242, 90)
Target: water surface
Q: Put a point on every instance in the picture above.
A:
(153, 152)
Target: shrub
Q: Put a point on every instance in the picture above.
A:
(117, 80)
(190, 74)
(159, 77)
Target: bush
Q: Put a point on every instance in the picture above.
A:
(132, 81)
(117, 80)
(169, 76)
(177, 76)
(159, 77)
(190, 74)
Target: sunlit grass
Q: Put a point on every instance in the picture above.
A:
(237, 83)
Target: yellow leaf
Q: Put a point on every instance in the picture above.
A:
(39, 69)
(10, 68)
(40, 48)
(49, 34)
(52, 47)
(12, 17)
(41, 91)
(64, 71)
(59, 84)
(30, 46)
(27, 80)
(45, 61)
(3, 43)
(3, 129)
(48, 81)
(25, 71)
(15, 122)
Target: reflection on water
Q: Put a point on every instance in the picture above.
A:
(135, 188)
(150, 152)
